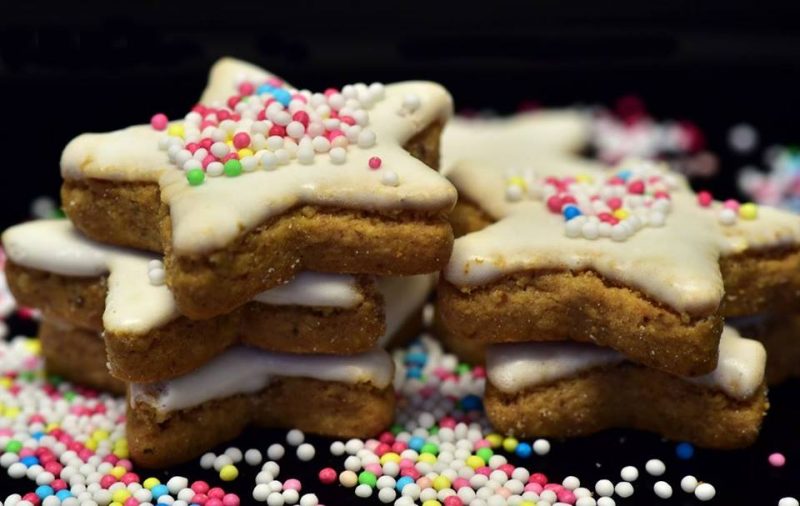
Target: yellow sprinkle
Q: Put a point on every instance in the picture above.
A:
(495, 439)
(117, 472)
(33, 346)
(150, 483)
(518, 181)
(51, 427)
(389, 457)
(431, 502)
(5, 382)
(475, 462)
(428, 458)
(175, 130)
(120, 495)
(115, 503)
(441, 483)
(91, 444)
(245, 152)
(620, 214)
(12, 412)
(229, 141)
(527, 503)
(748, 211)
(584, 178)
(100, 435)
(121, 453)
(228, 473)
(510, 444)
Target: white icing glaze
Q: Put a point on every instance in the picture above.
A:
(401, 297)
(515, 367)
(244, 370)
(207, 217)
(133, 304)
(315, 289)
(512, 141)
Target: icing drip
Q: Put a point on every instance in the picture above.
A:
(515, 367)
(243, 370)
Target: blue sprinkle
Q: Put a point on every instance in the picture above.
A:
(264, 88)
(63, 494)
(402, 482)
(159, 490)
(282, 96)
(44, 491)
(414, 372)
(570, 212)
(29, 461)
(416, 443)
(524, 450)
(37, 435)
(471, 402)
(684, 451)
(624, 175)
(416, 358)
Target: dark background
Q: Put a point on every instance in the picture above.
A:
(67, 68)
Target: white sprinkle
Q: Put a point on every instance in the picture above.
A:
(215, 169)
(727, 216)
(275, 451)
(222, 461)
(411, 102)
(306, 452)
(655, 467)
(290, 496)
(261, 492)
(688, 484)
(629, 473)
(624, 489)
(590, 230)
(321, 144)
(275, 499)
(363, 491)
(366, 139)
(604, 488)
(788, 501)
(705, 492)
(390, 178)
(249, 163)
(338, 155)
(514, 193)
(541, 447)
(253, 457)
(606, 501)
(662, 489)
(337, 448)
(571, 482)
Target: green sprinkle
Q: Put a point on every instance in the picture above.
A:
(485, 454)
(233, 167)
(55, 380)
(69, 396)
(396, 429)
(13, 446)
(463, 369)
(433, 430)
(195, 177)
(367, 478)
(429, 448)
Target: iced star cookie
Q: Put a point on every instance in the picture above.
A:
(338, 396)
(629, 258)
(77, 355)
(121, 293)
(571, 389)
(261, 181)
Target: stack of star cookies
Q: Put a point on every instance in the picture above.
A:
(247, 263)
(599, 294)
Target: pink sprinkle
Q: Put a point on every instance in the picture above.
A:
(507, 468)
(386, 438)
(375, 163)
(301, 117)
(200, 499)
(424, 482)
(246, 88)
(129, 478)
(777, 459)
(200, 487)
(207, 160)
(130, 501)
(732, 204)
(107, 480)
(216, 493)
(230, 500)
(58, 484)
(213, 501)
(399, 446)
(453, 500)
(374, 468)
(534, 487)
(128, 465)
(241, 140)
(406, 463)
(539, 478)
(482, 444)
(460, 483)
(292, 484)
(327, 475)
(484, 470)
(382, 449)
(636, 187)
(555, 487)
(159, 121)
(566, 496)
(704, 199)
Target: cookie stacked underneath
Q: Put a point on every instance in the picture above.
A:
(613, 283)
(246, 264)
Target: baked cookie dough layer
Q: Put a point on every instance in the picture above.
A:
(77, 355)
(182, 344)
(780, 335)
(583, 307)
(630, 396)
